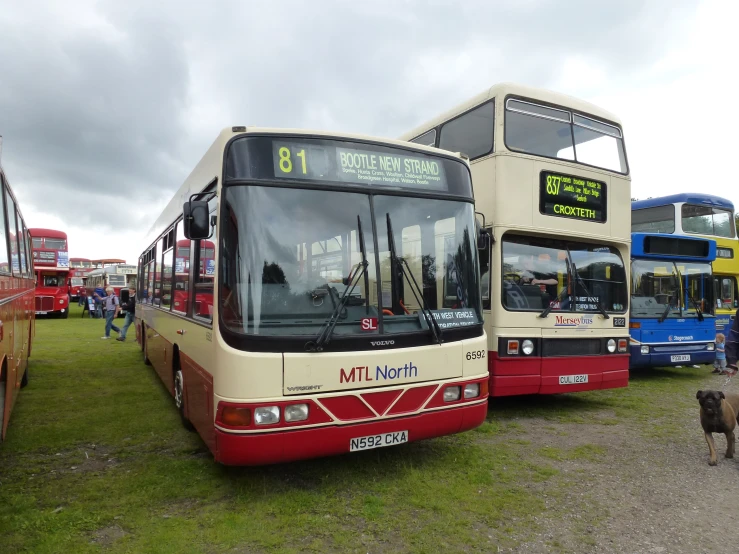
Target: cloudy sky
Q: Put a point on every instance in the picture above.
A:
(105, 107)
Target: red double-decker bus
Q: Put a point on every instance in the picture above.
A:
(16, 299)
(78, 270)
(51, 263)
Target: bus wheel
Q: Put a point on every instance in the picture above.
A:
(24, 380)
(65, 315)
(179, 399)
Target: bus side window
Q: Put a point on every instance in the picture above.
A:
(4, 265)
(204, 255)
(181, 271)
(157, 261)
(485, 257)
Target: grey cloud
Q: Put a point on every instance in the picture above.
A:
(110, 109)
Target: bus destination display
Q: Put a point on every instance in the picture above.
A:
(382, 167)
(573, 197)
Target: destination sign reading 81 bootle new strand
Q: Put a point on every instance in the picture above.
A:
(570, 196)
(380, 167)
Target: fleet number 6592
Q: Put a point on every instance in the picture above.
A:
(475, 354)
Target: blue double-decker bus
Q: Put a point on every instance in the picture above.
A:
(672, 304)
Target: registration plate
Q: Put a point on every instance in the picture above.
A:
(680, 358)
(41, 313)
(377, 441)
(573, 379)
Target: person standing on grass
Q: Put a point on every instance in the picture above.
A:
(732, 346)
(130, 308)
(112, 307)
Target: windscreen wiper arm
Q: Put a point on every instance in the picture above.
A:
(324, 336)
(665, 313)
(580, 280)
(363, 251)
(698, 311)
(428, 315)
(560, 296)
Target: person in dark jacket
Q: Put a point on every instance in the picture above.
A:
(98, 294)
(732, 345)
(130, 309)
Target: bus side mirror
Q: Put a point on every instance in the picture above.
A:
(195, 216)
(483, 239)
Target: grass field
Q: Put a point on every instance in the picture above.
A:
(96, 460)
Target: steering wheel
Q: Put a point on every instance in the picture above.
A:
(516, 278)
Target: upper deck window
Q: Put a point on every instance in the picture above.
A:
(706, 220)
(38, 243)
(660, 219)
(470, 133)
(557, 133)
(55, 244)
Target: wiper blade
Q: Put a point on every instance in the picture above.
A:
(665, 313)
(363, 251)
(698, 311)
(428, 315)
(560, 296)
(324, 336)
(598, 303)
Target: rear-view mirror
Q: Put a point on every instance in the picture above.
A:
(197, 222)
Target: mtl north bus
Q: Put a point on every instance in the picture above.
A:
(16, 302)
(342, 312)
(51, 262)
(551, 179)
(699, 215)
(672, 321)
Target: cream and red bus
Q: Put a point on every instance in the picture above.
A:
(51, 262)
(551, 178)
(16, 302)
(343, 306)
(78, 270)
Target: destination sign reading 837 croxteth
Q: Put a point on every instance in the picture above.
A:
(573, 197)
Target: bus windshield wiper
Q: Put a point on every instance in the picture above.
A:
(327, 329)
(428, 315)
(580, 280)
(560, 296)
(363, 251)
(665, 313)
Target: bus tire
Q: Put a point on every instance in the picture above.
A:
(65, 315)
(24, 380)
(179, 397)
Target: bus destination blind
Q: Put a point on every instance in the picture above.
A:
(573, 197)
(381, 167)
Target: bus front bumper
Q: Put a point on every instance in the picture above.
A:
(512, 376)
(674, 357)
(286, 446)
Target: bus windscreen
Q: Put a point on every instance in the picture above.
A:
(349, 163)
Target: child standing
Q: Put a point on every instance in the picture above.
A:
(719, 365)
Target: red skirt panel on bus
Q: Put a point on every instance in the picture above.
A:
(286, 446)
(535, 375)
(159, 352)
(199, 399)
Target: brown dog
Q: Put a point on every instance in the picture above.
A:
(718, 415)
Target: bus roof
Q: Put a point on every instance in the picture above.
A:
(109, 261)
(80, 260)
(689, 197)
(47, 233)
(502, 90)
(661, 246)
(119, 269)
(203, 173)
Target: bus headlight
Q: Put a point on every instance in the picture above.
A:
(452, 393)
(267, 415)
(611, 344)
(711, 346)
(527, 347)
(61, 300)
(645, 349)
(472, 390)
(296, 412)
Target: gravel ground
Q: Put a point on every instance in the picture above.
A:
(645, 494)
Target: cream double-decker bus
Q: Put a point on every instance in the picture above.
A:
(340, 310)
(551, 178)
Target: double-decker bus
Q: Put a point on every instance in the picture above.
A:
(51, 262)
(78, 270)
(700, 215)
(672, 321)
(16, 302)
(551, 178)
(343, 309)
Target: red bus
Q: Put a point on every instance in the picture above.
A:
(204, 286)
(51, 263)
(16, 300)
(78, 270)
